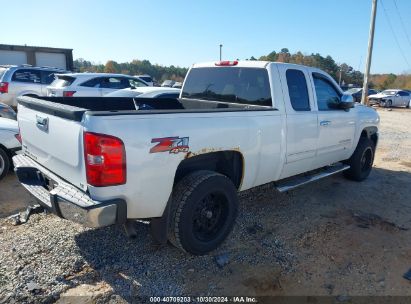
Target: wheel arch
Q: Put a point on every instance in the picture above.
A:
(370, 132)
(8, 152)
(229, 163)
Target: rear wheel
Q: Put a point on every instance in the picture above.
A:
(4, 163)
(361, 161)
(204, 209)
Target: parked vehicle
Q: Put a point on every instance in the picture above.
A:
(91, 84)
(147, 92)
(356, 93)
(24, 80)
(7, 112)
(391, 98)
(168, 83)
(9, 144)
(147, 79)
(178, 85)
(180, 164)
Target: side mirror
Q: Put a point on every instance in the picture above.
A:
(347, 102)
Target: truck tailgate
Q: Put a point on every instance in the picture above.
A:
(54, 142)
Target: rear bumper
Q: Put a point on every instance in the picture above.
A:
(65, 200)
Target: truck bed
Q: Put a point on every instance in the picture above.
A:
(73, 108)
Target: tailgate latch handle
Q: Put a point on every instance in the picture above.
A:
(42, 123)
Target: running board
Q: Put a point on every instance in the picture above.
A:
(291, 183)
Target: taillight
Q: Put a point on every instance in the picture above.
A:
(18, 137)
(68, 93)
(4, 87)
(105, 158)
(226, 63)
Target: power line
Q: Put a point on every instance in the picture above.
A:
(402, 22)
(393, 33)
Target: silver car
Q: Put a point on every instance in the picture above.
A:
(24, 80)
(391, 98)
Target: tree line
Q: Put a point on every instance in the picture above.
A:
(135, 67)
(349, 76)
(391, 81)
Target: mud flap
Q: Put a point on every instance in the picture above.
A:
(159, 226)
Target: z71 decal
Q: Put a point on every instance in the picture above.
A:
(171, 144)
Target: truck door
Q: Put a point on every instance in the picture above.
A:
(336, 126)
(302, 122)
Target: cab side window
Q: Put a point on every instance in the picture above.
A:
(297, 90)
(92, 83)
(115, 83)
(327, 95)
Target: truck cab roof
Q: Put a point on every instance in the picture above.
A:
(248, 64)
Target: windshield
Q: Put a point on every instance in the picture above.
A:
(353, 90)
(146, 78)
(136, 83)
(389, 92)
(229, 84)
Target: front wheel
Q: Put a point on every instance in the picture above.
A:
(388, 104)
(204, 209)
(4, 163)
(361, 161)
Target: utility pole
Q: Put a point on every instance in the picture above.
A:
(221, 48)
(369, 55)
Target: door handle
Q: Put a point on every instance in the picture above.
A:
(42, 123)
(325, 123)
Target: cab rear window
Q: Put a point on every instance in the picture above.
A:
(229, 84)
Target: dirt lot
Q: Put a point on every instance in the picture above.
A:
(333, 237)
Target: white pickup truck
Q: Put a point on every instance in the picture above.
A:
(180, 162)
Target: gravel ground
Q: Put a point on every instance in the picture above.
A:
(333, 237)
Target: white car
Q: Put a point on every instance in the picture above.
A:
(91, 84)
(9, 144)
(180, 164)
(146, 78)
(147, 92)
(391, 98)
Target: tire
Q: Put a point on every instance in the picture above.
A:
(4, 163)
(388, 104)
(203, 212)
(361, 161)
